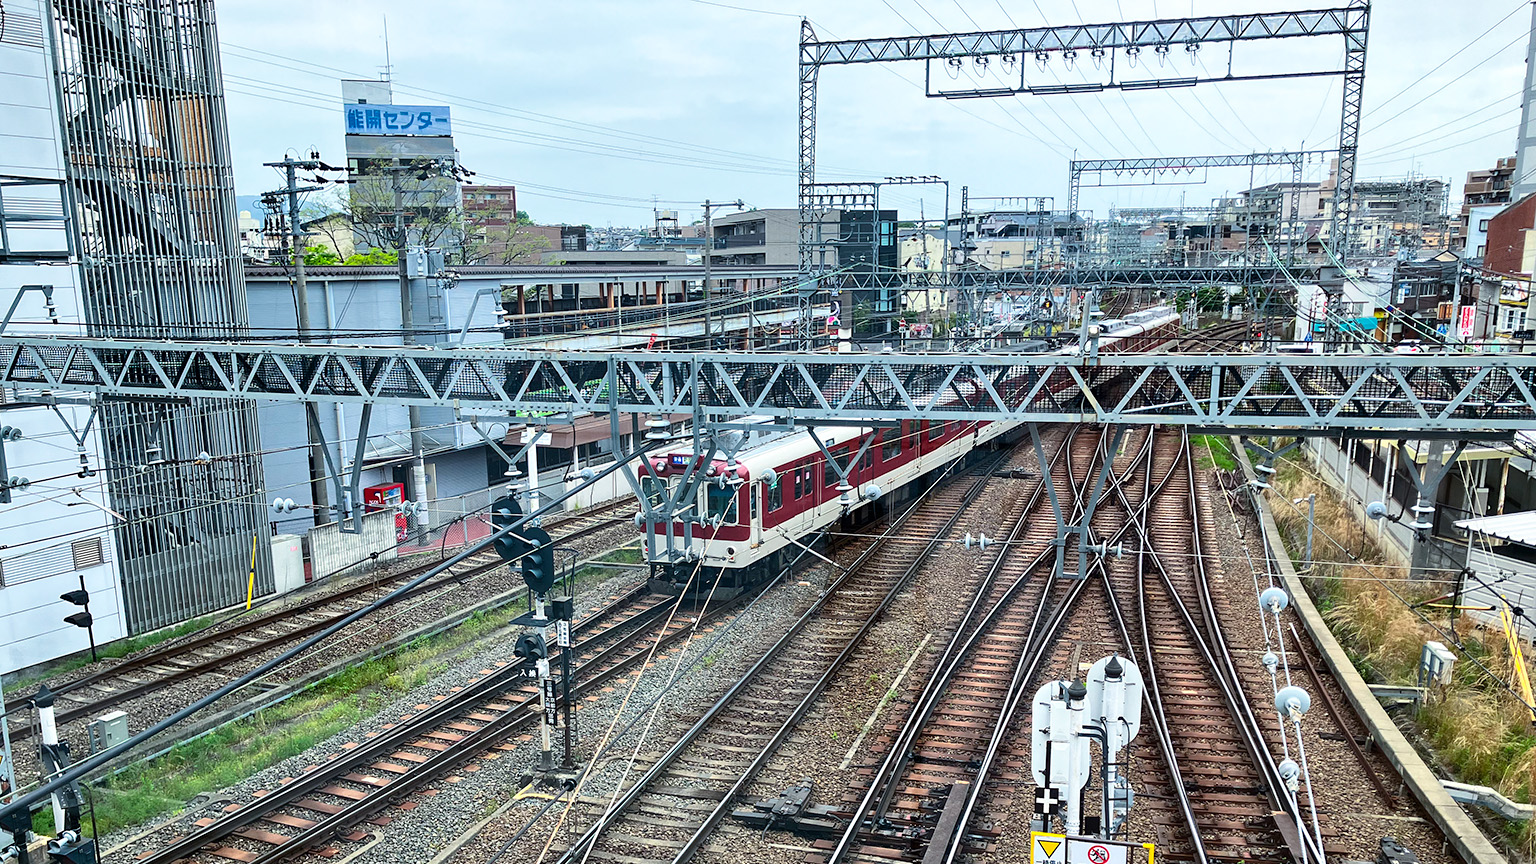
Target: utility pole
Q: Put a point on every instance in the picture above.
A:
(709, 247)
(423, 518)
(319, 494)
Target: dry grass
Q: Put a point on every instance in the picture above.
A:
(1478, 728)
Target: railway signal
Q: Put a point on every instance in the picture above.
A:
(81, 619)
(504, 512)
(539, 562)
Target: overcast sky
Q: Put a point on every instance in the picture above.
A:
(595, 108)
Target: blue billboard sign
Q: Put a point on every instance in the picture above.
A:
(364, 119)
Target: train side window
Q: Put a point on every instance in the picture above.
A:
(866, 460)
(775, 496)
(799, 481)
(890, 445)
(935, 430)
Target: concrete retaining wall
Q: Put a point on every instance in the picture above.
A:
(332, 553)
(1460, 831)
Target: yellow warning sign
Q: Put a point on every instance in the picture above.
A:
(1047, 848)
(1063, 849)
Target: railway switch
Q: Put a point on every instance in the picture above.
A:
(1393, 852)
(792, 811)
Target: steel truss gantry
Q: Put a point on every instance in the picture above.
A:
(1156, 165)
(1351, 22)
(1457, 396)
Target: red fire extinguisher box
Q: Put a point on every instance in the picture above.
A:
(386, 496)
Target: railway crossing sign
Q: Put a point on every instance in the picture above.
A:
(1047, 848)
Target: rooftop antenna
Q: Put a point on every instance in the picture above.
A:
(388, 67)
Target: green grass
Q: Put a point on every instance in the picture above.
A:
(111, 650)
(1212, 451)
(234, 752)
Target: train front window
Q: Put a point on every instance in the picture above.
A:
(721, 503)
(655, 490)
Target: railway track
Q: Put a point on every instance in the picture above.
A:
(954, 779)
(669, 812)
(248, 638)
(913, 802)
(303, 815)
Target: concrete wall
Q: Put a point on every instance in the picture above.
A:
(334, 554)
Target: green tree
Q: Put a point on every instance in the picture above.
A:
(373, 258)
(523, 218)
(320, 256)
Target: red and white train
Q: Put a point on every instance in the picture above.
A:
(748, 519)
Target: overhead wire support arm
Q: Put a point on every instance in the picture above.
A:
(1351, 22)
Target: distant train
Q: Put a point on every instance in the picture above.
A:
(749, 518)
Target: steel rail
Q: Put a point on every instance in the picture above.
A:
(1225, 674)
(1152, 694)
(491, 686)
(956, 652)
(722, 809)
(167, 654)
(1029, 663)
(97, 760)
(637, 789)
(1231, 680)
(521, 715)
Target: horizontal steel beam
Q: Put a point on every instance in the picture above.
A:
(1397, 393)
(1168, 33)
(1168, 163)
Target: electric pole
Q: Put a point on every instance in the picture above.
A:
(424, 169)
(709, 247)
(295, 248)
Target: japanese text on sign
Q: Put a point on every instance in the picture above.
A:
(364, 119)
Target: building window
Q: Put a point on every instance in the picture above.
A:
(87, 553)
(1482, 225)
(1482, 251)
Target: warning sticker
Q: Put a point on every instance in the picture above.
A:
(1063, 849)
(1048, 848)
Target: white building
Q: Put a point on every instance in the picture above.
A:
(55, 535)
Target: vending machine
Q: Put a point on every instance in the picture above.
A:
(388, 496)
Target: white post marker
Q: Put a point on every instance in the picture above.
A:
(1114, 705)
(1059, 755)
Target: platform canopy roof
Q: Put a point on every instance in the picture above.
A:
(1511, 527)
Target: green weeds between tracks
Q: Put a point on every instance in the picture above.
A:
(236, 751)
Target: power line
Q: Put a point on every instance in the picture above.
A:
(1454, 55)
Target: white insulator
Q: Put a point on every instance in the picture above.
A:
(871, 492)
(1376, 510)
(1271, 661)
(1274, 599)
(1290, 772)
(768, 476)
(1293, 701)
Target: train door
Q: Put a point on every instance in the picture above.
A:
(758, 494)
